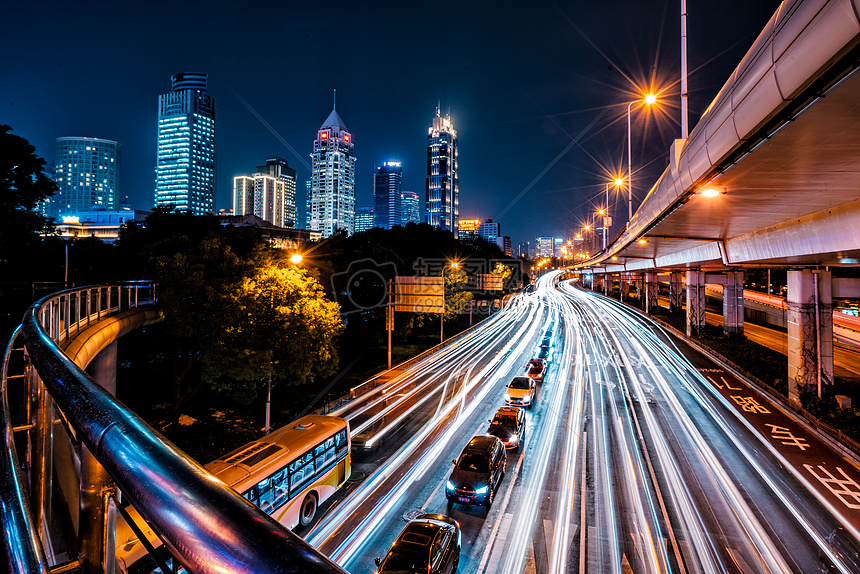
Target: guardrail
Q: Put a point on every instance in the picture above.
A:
(209, 527)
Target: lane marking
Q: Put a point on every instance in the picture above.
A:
(504, 507)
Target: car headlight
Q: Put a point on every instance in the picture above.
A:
(482, 490)
(514, 438)
(507, 397)
(527, 399)
(449, 485)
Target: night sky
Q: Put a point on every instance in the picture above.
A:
(521, 81)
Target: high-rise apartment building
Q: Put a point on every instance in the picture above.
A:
(387, 192)
(443, 187)
(469, 230)
(185, 165)
(409, 208)
(490, 230)
(331, 203)
(86, 171)
(364, 219)
(544, 246)
(270, 193)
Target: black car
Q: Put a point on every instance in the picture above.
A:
(430, 544)
(509, 425)
(478, 472)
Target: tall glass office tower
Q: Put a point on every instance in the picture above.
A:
(270, 193)
(409, 210)
(387, 191)
(331, 203)
(185, 169)
(86, 171)
(443, 186)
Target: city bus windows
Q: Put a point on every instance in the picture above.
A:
(264, 494)
(279, 484)
(340, 442)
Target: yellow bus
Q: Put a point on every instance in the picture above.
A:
(291, 471)
(288, 473)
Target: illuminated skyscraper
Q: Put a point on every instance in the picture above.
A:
(270, 194)
(443, 187)
(87, 175)
(409, 208)
(387, 192)
(185, 169)
(364, 219)
(331, 203)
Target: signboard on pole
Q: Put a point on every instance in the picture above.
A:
(489, 282)
(420, 294)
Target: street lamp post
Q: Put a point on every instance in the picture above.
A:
(649, 99)
(453, 265)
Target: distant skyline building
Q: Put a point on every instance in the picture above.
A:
(442, 207)
(544, 246)
(490, 230)
(410, 211)
(504, 243)
(185, 154)
(270, 193)
(331, 203)
(364, 219)
(87, 174)
(387, 194)
(469, 230)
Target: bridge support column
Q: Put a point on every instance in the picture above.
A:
(810, 333)
(652, 286)
(733, 303)
(675, 292)
(624, 280)
(607, 280)
(695, 302)
(97, 515)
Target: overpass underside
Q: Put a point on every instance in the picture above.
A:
(778, 152)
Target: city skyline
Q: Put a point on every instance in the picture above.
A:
(526, 80)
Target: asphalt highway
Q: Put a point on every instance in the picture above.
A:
(640, 455)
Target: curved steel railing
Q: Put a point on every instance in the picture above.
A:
(206, 525)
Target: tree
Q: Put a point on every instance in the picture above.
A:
(456, 301)
(23, 184)
(280, 323)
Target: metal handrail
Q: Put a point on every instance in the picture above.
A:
(206, 525)
(22, 550)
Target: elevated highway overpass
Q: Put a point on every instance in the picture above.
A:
(769, 177)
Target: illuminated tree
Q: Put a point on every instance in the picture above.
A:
(456, 300)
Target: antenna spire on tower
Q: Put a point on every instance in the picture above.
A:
(334, 100)
(438, 108)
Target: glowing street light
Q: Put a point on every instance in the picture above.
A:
(296, 258)
(649, 100)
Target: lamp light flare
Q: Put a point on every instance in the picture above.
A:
(619, 182)
(296, 258)
(710, 192)
(650, 99)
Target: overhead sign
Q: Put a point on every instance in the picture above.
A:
(489, 282)
(420, 294)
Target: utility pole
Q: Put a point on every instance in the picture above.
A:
(684, 103)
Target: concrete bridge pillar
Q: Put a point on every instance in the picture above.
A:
(624, 280)
(733, 303)
(607, 281)
(810, 333)
(675, 292)
(97, 515)
(652, 285)
(695, 302)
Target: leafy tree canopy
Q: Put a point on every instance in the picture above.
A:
(23, 184)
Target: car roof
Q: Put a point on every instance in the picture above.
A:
(481, 444)
(418, 535)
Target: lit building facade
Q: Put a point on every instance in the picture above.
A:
(442, 207)
(504, 243)
(364, 219)
(469, 230)
(86, 172)
(544, 246)
(490, 230)
(331, 201)
(387, 194)
(185, 164)
(270, 193)
(409, 208)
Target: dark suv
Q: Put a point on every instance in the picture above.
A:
(478, 472)
(429, 544)
(509, 425)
